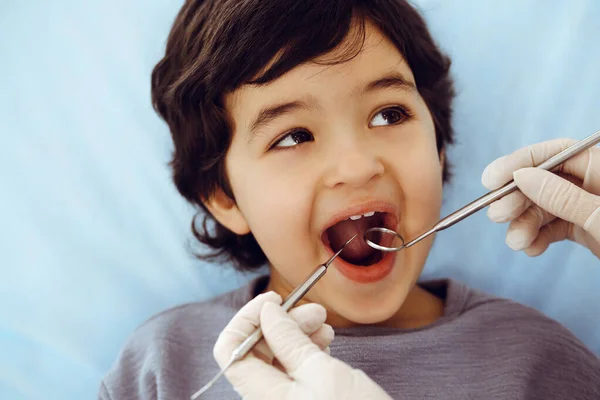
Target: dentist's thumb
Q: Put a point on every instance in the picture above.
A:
(561, 198)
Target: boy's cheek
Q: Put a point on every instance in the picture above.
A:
(278, 219)
(422, 195)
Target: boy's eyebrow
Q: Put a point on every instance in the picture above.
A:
(393, 80)
(270, 113)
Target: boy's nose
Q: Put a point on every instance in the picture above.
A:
(354, 164)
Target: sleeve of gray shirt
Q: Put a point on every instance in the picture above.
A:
(482, 348)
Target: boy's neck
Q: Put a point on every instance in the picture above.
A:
(420, 308)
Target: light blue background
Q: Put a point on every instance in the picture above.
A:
(94, 235)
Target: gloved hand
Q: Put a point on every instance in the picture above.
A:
(548, 208)
(297, 341)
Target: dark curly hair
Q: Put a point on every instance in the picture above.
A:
(215, 46)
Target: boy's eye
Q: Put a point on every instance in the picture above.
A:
(389, 116)
(294, 138)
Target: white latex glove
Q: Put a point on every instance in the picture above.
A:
(305, 370)
(548, 208)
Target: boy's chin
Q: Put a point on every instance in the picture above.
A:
(364, 314)
(370, 319)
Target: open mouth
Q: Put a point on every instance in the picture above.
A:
(358, 252)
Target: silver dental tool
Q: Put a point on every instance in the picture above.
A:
(290, 301)
(484, 200)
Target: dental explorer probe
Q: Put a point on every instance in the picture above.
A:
(486, 199)
(290, 301)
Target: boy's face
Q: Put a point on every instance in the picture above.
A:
(342, 140)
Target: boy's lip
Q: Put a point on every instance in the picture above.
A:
(364, 207)
(366, 275)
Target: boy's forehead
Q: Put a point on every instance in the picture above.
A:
(354, 64)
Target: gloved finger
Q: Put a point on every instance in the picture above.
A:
(289, 344)
(561, 198)
(244, 322)
(513, 205)
(591, 181)
(500, 171)
(578, 235)
(555, 231)
(509, 207)
(524, 229)
(322, 338)
(310, 318)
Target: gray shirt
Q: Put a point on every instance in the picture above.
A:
(482, 348)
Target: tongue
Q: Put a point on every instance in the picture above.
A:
(357, 250)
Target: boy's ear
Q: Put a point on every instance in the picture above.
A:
(224, 209)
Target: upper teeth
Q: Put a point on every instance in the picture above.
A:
(355, 217)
